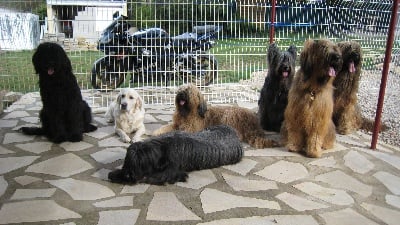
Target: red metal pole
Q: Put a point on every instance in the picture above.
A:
(385, 71)
(272, 24)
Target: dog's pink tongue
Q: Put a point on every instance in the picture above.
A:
(285, 74)
(352, 68)
(182, 102)
(50, 71)
(332, 72)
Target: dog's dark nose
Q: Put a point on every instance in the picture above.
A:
(123, 106)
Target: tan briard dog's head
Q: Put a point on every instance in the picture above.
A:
(320, 61)
(348, 78)
(189, 100)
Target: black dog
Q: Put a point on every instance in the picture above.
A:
(65, 116)
(274, 93)
(168, 158)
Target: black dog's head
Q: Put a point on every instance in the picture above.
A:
(51, 60)
(282, 62)
(142, 159)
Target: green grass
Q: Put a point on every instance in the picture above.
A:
(237, 60)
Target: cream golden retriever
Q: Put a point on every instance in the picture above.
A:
(127, 112)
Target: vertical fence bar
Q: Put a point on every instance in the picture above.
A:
(272, 24)
(388, 55)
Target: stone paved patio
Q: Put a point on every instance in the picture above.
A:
(45, 183)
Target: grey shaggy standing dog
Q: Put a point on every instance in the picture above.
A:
(168, 158)
(274, 93)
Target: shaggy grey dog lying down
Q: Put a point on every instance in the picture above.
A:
(168, 158)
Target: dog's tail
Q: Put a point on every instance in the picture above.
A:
(258, 140)
(368, 125)
(32, 130)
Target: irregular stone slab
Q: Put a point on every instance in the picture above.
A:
(357, 162)
(118, 217)
(165, 118)
(34, 211)
(336, 148)
(4, 151)
(270, 152)
(75, 146)
(391, 181)
(339, 179)
(33, 193)
(393, 200)
(334, 196)
(3, 185)
(112, 142)
(345, 217)
(165, 206)
(62, 166)
(101, 174)
(102, 132)
(148, 118)
(389, 216)
(109, 155)
(266, 220)
(82, 190)
(31, 120)
(16, 114)
(36, 147)
(115, 202)
(214, 200)
(243, 167)
(325, 162)
(17, 138)
(71, 223)
(8, 123)
(348, 140)
(135, 189)
(243, 184)
(388, 158)
(298, 203)
(284, 172)
(12, 163)
(25, 180)
(198, 179)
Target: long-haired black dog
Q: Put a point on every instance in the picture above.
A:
(274, 93)
(65, 116)
(168, 158)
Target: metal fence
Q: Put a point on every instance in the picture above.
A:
(239, 52)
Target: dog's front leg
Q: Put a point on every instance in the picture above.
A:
(122, 135)
(138, 134)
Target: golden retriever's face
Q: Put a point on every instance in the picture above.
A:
(129, 100)
(321, 59)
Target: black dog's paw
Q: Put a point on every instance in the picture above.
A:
(76, 138)
(32, 130)
(120, 176)
(90, 128)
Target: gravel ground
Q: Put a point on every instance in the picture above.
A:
(368, 99)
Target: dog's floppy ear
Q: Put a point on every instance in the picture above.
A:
(119, 98)
(139, 103)
(305, 59)
(202, 109)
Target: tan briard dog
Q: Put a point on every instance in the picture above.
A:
(308, 124)
(346, 112)
(192, 115)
